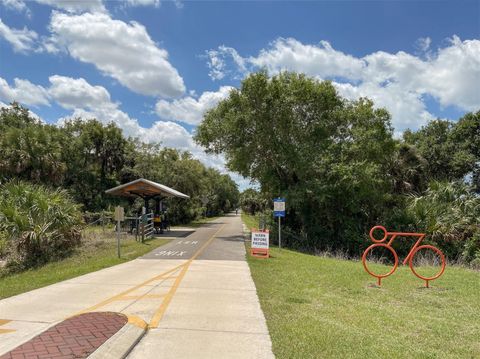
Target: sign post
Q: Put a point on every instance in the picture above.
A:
(144, 214)
(279, 234)
(260, 243)
(279, 211)
(119, 217)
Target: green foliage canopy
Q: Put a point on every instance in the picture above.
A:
(340, 169)
(451, 150)
(86, 157)
(297, 137)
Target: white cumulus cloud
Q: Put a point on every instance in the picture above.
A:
(75, 6)
(121, 50)
(190, 109)
(314, 60)
(453, 76)
(74, 93)
(23, 91)
(22, 40)
(397, 81)
(88, 101)
(16, 5)
(155, 3)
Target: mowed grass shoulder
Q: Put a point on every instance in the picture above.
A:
(250, 221)
(98, 251)
(318, 307)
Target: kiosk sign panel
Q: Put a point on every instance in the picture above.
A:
(279, 207)
(119, 214)
(279, 212)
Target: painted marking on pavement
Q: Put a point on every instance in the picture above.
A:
(128, 291)
(157, 317)
(137, 321)
(171, 253)
(5, 331)
(162, 276)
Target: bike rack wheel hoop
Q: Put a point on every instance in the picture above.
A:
(375, 245)
(442, 268)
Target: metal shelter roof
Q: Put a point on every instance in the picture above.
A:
(145, 189)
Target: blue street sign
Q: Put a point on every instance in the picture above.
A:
(279, 207)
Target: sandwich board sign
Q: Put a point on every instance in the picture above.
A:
(260, 244)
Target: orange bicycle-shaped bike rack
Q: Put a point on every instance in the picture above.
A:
(416, 247)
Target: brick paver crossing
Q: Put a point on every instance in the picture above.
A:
(76, 337)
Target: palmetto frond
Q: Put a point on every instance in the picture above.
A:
(37, 222)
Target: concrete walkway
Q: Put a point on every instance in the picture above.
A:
(215, 312)
(195, 294)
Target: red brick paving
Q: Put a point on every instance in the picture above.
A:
(75, 337)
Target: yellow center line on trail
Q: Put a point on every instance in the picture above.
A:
(122, 294)
(157, 317)
(5, 331)
(165, 275)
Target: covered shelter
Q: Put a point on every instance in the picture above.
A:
(147, 190)
(149, 222)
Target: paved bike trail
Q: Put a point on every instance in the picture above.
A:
(215, 311)
(196, 290)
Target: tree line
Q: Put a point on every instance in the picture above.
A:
(87, 157)
(341, 169)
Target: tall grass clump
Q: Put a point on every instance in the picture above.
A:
(37, 224)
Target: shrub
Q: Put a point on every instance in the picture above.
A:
(471, 252)
(37, 224)
(450, 215)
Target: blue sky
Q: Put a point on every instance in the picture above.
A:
(154, 67)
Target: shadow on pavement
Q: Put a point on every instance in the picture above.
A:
(211, 224)
(175, 234)
(231, 238)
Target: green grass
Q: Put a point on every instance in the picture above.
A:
(319, 307)
(98, 251)
(250, 221)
